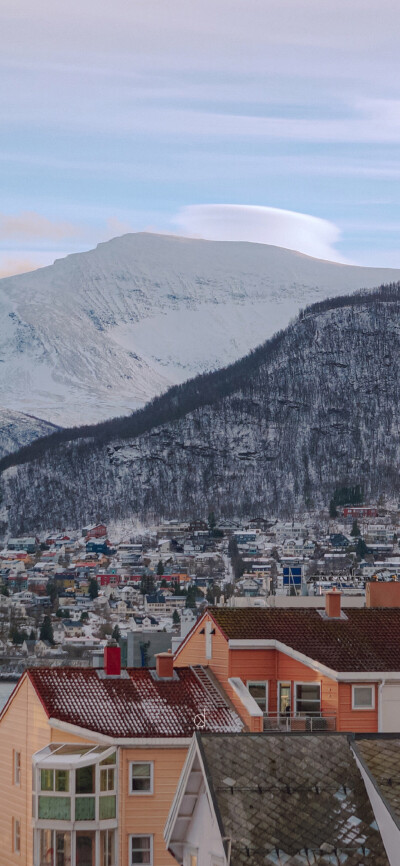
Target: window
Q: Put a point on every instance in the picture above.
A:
(107, 848)
(84, 780)
(16, 836)
(141, 850)
(259, 691)
(308, 699)
(17, 768)
(208, 634)
(54, 780)
(363, 698)
(142, 777)
(107, 782)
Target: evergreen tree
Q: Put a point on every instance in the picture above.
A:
(46, 630)
(355, 531)
(93, 588)
(116, 633)
(160, 568)
(176, 618)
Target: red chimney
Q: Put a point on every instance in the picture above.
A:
(112, 661)
(165, 665)
(332, 604)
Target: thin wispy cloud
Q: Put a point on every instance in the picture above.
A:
(147, 107)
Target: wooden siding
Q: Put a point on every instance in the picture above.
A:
(143, 814)
(24, 728)
(357, 721)
(194, 653)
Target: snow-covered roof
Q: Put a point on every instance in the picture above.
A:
(136, 705)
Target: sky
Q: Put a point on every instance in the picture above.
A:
(276, 121)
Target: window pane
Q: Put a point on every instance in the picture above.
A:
(141, 850)
(85, 848)
(63, 849)
(62, 780)
(109, 760)
(46, 848)
(363, 696)
(141, 777)
(85, 808)
(55, 808)
(258, 692)
(308, 691)
(107, 808)
(47, 780)
(107, 779)
(107, 848)
(85, 780)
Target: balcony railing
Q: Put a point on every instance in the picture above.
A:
(309, 724)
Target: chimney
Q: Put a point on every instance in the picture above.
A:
(112, 660)
(383, 593)
(165, 665)
(332, 604)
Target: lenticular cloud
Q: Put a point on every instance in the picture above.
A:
(262, 225)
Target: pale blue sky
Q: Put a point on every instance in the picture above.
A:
(119, 116)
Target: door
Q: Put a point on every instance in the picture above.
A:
(284, 699)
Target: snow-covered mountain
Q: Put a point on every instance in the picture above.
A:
(316, 407)
(18, 430)
(100, 333)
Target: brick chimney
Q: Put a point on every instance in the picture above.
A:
(333, 604)
(165, 665)
(112, 661)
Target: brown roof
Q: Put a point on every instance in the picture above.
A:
(368, 639)
(136, 705)
(291, 799)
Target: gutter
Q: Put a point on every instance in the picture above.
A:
(124, 742)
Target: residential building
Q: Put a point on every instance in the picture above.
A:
(262, 799)
(304, 669)
(90, 760)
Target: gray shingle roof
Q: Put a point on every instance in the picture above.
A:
(290, 800)
(381, 757)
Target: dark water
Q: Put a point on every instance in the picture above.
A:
(5, 691)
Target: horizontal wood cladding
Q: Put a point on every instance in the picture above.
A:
(24, 728)
(357, 721)
(147, 813)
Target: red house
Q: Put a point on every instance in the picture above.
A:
(98, 530)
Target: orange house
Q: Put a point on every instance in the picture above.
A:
(313, 670)
(90, 760)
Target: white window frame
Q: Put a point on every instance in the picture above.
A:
(141, 836)
(141, 793)
(16, 836)
(17, 767)
(296, 712)
(260, 683)
(354, 705)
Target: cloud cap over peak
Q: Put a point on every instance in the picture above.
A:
(264, 225)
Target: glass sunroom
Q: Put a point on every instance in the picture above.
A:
(75, 806)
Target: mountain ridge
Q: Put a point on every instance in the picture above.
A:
(100, 333)
(314, 407)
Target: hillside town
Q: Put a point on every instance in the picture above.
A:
(134, 651)
(63, 595)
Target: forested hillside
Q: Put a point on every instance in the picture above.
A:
(315, 407)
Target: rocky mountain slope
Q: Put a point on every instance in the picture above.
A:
(315, 407)
(100, 333)
(18, 430)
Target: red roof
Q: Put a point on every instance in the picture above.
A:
(367, 640)
(138, 706)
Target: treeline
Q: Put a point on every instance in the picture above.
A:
(203, 390)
